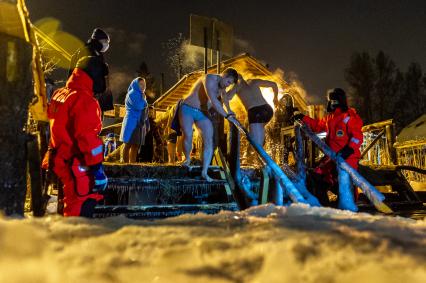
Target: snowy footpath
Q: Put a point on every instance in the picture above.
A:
(263, 244)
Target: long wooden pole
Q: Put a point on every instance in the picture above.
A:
(282, 178)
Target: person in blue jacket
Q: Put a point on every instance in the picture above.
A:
(135, 123)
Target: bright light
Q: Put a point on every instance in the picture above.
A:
(268, 94)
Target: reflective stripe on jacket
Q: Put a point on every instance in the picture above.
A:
(342, 128)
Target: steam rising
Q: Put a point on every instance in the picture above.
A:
(243, 46)
(183, 57)
(119, 80)
(286, 83)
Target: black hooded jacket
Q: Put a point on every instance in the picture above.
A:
(91, 48)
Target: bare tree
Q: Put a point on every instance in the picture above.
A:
(49, 61)
(411, 102)
(379, 90)
(383, 101)
(361, 77)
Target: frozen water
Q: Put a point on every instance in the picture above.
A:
(262, 244)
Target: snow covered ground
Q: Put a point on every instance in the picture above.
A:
(263, 244)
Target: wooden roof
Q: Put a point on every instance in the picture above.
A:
(413, 135)
(243, 63)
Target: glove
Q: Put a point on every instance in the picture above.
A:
(345, 152)
(230, 114)
(232, 120)
(101, 180)
(296, 116)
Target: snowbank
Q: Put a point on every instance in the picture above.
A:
(263, 244)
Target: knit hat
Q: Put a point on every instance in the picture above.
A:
(336, 99)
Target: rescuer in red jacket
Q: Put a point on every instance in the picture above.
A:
(343, 134)
(75, 123)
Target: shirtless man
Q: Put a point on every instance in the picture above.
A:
(258, 109)
(194, 109)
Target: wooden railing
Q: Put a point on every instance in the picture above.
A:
(383, 133)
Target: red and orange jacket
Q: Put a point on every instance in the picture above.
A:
(342, 128)
(75, 121)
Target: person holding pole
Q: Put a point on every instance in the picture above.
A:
(343, 134)
(258, 109)
(194, 110)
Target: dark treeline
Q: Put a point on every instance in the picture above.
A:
(379, 90)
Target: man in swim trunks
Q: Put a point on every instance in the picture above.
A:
(258, 109)
(194, 109)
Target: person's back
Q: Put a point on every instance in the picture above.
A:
(258, 110)
(250, 94)
(65, 124)
(95, 47)
(76, 149)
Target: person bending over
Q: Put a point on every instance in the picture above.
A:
(258, 109)
(194, 110)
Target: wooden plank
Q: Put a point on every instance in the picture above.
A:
(390, 138)
(224, 172)
(370, 145)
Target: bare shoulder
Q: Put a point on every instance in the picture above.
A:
(211, 77)
(199, 83)
(211, 80)
(253, 81)
(259, 80)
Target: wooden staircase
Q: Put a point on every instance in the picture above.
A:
(151, 191)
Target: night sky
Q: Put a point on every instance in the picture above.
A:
(313, 39)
